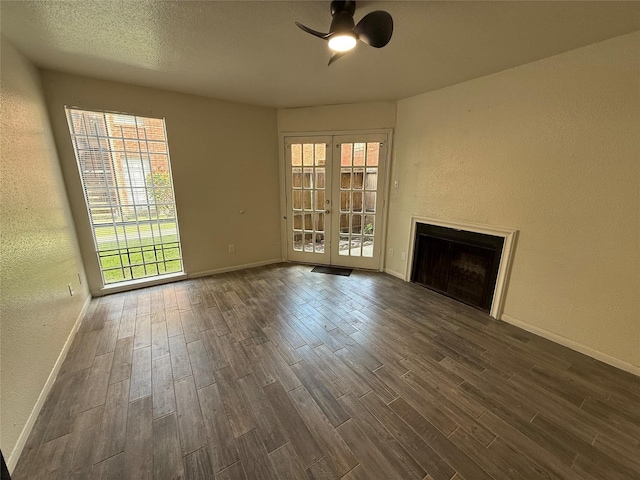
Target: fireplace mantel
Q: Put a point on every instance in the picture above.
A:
(509, 236)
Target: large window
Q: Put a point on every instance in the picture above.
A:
(124, 165)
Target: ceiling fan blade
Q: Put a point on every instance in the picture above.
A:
(375, 28)
(335, 56)
(312, 32)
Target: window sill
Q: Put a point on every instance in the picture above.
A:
(142, 283)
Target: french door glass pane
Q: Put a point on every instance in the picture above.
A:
(125, 171)
(308, 196)
(358, 185)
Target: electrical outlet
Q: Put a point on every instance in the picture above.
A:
(70, 290)
(232, 248)
(391, 252)
(404, 255)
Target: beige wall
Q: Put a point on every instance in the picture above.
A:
(552, 149)
(39, 254)
(224, 158)
(336, 118)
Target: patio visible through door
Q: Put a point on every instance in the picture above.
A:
(334, 199)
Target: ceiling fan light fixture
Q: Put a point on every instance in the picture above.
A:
(374, 29)
(342, 42)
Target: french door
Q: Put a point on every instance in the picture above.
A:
(334, 199)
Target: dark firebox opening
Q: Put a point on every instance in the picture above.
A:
(462, 265)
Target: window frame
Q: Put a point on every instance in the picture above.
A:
(127, 215)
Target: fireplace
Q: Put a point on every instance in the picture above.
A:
(461, 264)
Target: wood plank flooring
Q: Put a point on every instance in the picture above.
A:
(280, 373)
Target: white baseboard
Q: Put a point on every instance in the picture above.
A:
(235, 267)
(393, 273)
(12, 460)
(578, 347)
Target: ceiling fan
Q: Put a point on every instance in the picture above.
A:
(374, 29)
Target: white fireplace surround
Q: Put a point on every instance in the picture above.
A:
(509, 236)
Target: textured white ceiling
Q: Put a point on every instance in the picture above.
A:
(252, 52)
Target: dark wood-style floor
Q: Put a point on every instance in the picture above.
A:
(280, 373)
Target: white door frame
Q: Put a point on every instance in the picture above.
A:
(384, 189)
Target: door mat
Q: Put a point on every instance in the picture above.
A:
(345, 272)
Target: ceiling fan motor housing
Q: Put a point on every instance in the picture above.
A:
(343, 6)
(342, 13)
(342, 22)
